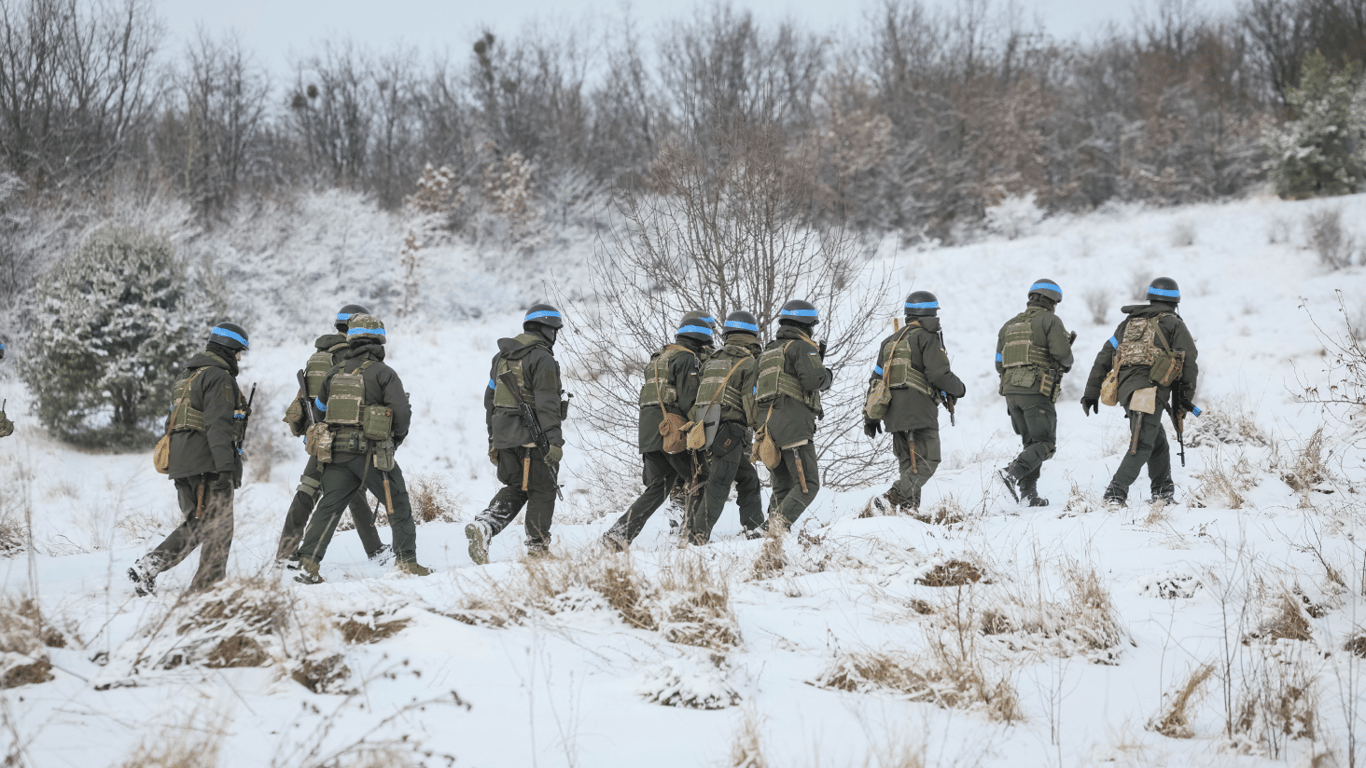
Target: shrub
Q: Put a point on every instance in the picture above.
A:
(1321, 151)
(112, 326)
(1327, 238)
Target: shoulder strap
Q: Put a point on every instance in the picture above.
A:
(886, 364)
(184, 398)
(722, 389)
(663, 412)
(1157, 330)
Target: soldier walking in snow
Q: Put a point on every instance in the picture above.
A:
(206, 425)
(1033, 351)
(331, 349)
(911, 377)
(527, 478)
(6, 426)
(363, 416)
(725, 398)
(666, 397)
(1148, 366)
(790, 377)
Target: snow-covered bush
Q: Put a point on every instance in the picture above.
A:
(695, 681)
(1016, 216)
(1323, 151)
(113, 324)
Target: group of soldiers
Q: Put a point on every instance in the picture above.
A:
(714, 401)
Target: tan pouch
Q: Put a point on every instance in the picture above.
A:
(767, 450)
(875, 407)
(1166, 368)
(697, 435)
(161, 455)
(1144, 401)
(319, 443)
(377, 422)
(1109, 389)
(671, 428)
(294, 417)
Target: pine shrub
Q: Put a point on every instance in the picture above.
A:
(1322, 152)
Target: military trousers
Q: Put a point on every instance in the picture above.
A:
(1152, 451)
(538, 498)
(660, 473)
(733, 468)
(917, 455)
(306, 497)
(1035, 420)
(345, 477)
(790, 499)
(207, 525)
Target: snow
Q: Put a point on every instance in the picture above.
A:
(560, 678)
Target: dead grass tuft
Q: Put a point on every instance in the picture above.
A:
(1226, 421)
(1098, 304)
(1276, 703)
(747, 750)
(23, 637)
(366, 628)
(1285, 620)
(954, 573)
(941, 677)
(694, 681)
(327, 673)
(194, 743)
(947, 512)
(1229, 484)
(1307, 468)
(1173, 720)
(432, 500)
(1356, 645)
(771, 560)
(694, 605)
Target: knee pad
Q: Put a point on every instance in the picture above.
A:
(309, 487)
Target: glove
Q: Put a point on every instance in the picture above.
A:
(493, 455)
(871, 427)
(221, 482)
(555, 453)
(1090, 405)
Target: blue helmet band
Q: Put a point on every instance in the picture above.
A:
(541, 313)
(702, 329)
(1164, 292)
(1045, 287)
(342, 317)
(799, 313)
(357, 331)
(738, 325)
(227, 334)
(922, 305)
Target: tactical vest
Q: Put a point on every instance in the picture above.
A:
(346, 397)
(1138, 347)
(714, 373)
(659, 389)
(901, 372)
(315, 370)
(1023, 360)
(774, 379)
(183, 417)
(502, 398)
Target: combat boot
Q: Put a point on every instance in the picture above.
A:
(614, 542)
(889, 503)
(1031, 497)
(308, 571)
(383, 556)
(143, 574)
(537, 549)
(412, 568)
(479, 533)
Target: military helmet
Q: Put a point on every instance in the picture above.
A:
(697, 325)
(344, 314)
(921, 304)
(544, 314)
(1164, 289)
(799, 311)
(364, 327)
(740, 320)
(1049, 289)
(230, 335)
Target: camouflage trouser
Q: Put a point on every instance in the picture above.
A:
(208, 526)
(661, 471)
(538, 498)
(918, 471)
(306, 497)
(342, 480)
(733, 468)
(789, 500)
(1035, 420)
(1152, 451)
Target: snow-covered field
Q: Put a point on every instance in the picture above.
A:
(1066, 652)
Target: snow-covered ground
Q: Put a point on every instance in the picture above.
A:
(565, 662)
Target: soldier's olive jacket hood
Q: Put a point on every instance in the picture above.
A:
(542, 376)
(792, 421)
(215, 393)
(910, 409)
(1135, 377)
(330, 342)
(382, 386)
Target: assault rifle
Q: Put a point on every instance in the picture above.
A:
(246, 416)
(533, 425)
(303, 398)
(949, 402)
(1177, 409)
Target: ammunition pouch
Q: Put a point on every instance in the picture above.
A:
(879, 398)
(384, 455)
(319, 443)
(377, 422)
(350, 440)
(1166, 368)
(295, 418)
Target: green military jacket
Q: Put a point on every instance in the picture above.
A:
(792, 421)
(382, 387)
(1135, 377)
(682, 374)
(542, 388)
(1049, 336)
(741, 353)
(911, 409)
(215, 394)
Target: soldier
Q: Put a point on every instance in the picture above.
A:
(676, 509)
(790, 377)
(912, 375)
(207, 421)
(367, 414)
(669, 391)
(526, 479)
(1153, 356)
(6, 426)
(1033, 350)
(331, 350)
(727, 384)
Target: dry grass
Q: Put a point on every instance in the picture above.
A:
(947, 512)
(1225, 421)
(323, 673)
(954, 573)
(366, 628)
(1098, 304)
(771, 560)
(747, 750)
(1284, 620)
(1276, 703)
(1224, 482)
(1328, 239)
(23, 637)
(1183, 234)
(267, 441)
(194, 743)
(693, 681)
(1356, 645)
(1173, 720)
(941, 677)
(432, 500)
(693, 605)
(1083, 622)
(1307, 468)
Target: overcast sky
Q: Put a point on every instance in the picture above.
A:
(273, 29)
